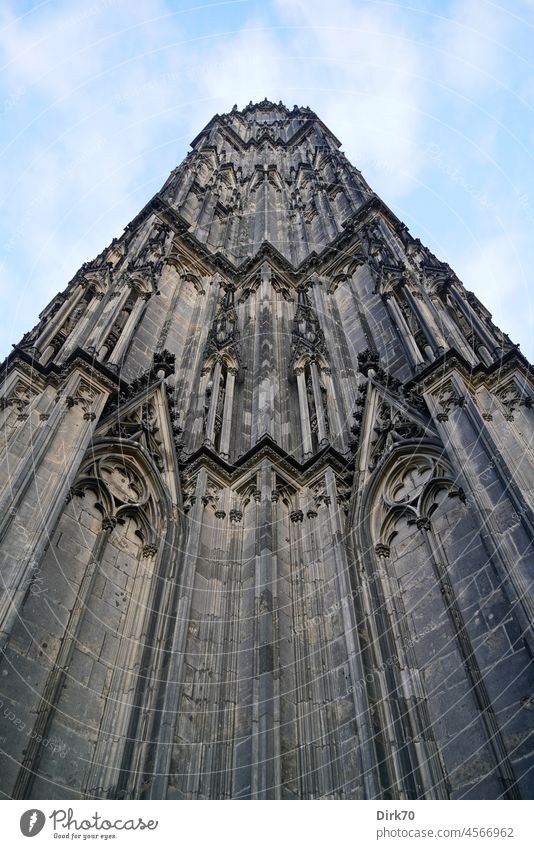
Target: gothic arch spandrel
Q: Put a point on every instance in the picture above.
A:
(403, 485)
(338, 606)
(105, 565)
(428, 562)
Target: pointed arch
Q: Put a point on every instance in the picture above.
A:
(401, 485)
(315, 400)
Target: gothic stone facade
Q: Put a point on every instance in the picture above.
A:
(266, 486)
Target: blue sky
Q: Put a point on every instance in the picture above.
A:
(432, 100)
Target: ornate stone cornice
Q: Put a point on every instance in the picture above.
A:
(479, 375)
(266, 449)
(308, 117)
(52, 372)
(163, 364)
(324, 262)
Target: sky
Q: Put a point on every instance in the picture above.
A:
(432, 101)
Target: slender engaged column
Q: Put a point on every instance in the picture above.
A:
(111, 308)
(77, 334)
(52, 327)
(129, 327)
(398, 318)
(304, 414)
(336, 430)
(319, 409)
(210, 424)
(431, 347)
(489, 343)
(227, 413)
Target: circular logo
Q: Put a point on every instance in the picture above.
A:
(31, 822)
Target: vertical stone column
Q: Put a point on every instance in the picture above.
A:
(350, 631)
(129, 328)
(408, 682)
(304, 414)
(336, 426)
(43, 479)
(109, 309)
(454, 335)
(489, 343)
(325, 211)
(102, 343)
(265, 745)
(181, 613)
(429, 309)
(385, 687)
(406, 334)
(199, 413)
(155, 635)
(263, 393)
(511, 428)
(52, 688)
(302, 231)
(114, 740)
(212, 412)
(227, 413)
(206, 213)
(260, 211)
(431, 348)
(489, 721)
(76, 337)
(319, 409)
(184, 186)
(490, 487)
(232, 229)
(42, 342)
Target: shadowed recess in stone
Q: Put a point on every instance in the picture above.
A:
(266, 491)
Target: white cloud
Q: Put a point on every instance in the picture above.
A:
(361, 70)
(123, 87)
(494, 270)
(359, 73)
(249, 64)
(472, 41)
(105, 95)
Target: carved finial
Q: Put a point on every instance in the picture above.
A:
(164, 362)
(368, 362)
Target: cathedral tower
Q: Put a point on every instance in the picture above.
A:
(266, 476)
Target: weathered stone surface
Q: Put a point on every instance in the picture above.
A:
(266, 496)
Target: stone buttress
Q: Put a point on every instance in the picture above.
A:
(266, 484)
